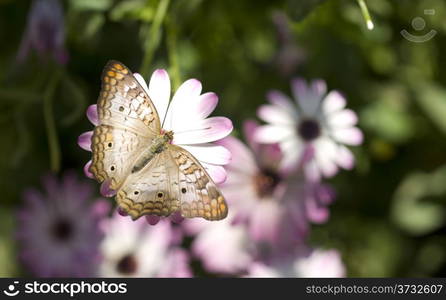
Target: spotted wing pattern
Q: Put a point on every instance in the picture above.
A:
(128, 122)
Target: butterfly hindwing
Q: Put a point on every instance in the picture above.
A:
(152, 190)
(199, 195)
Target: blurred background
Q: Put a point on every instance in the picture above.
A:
(389, 215)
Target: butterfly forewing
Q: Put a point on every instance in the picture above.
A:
(128, 122)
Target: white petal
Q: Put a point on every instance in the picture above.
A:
(217, 173)
(159, 91)
(308, 97)
(176, 115)
(342, 119)
(210, 153)
(292, 154)
(325, 156)
(281, 100)
(334, 101)
(273, 133)
(203, 131)
(275, 115)
(350, 136)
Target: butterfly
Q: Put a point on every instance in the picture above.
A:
(131, 152)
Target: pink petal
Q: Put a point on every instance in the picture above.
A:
(249, 129)
(334, 101)
(273, 133)
(345, 158)
(87, 170)
(281, 100)
(152, 220)
(176, 217)
(241, 159)
(217, 173)
(350, 136)
(203, 131)
(316, 213)
(84, 140)
(92, 114)
(265, 221)
(159, 91)
(206, 104)
(180, 101)
(343, 119)
(210, 153)
(275, 115)
(122, 212)
(105, 189)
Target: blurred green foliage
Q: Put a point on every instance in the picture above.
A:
(389, 218)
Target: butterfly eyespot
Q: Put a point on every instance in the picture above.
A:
(136, 192)
(112, 168)
(121, 108)
(160, 195)
(110, 145)
(183, 190)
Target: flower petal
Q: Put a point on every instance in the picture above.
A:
(203, 105)
(350, 136)
(275, 115)
(217, 173)
(159, 91)
(308, 97)
(105, 189)
(87, 170)
(84, 140)
(203, 131)
(92, 114)
(265, 222)
(281, 100)
(241, 158)
(334, 101)
(345, 158)
(342, 119)
(273, 133)
(152, 220)
(175, 116)
(210, 153)
(292, 150)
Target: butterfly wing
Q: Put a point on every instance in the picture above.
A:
(172, 181)
(152, 190)
(199, 195)
(128, 122)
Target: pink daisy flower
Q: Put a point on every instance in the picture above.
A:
(187, 116)
(319, 122)
(132, 249)
(58, 232)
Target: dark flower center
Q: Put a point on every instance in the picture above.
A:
(62, 230)
(265, 182)
(309, 129)
(127, 265)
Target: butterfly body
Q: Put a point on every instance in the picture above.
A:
(158, 145)
(136, 157)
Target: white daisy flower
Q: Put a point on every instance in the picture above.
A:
(319, 122)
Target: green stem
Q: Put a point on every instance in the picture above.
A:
(50, 124)
(366, 14)
(173, 54)
(153, 38)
